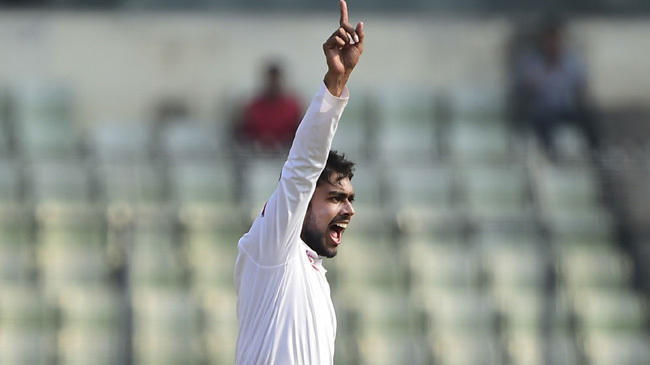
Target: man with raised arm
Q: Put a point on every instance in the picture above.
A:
(284, 306)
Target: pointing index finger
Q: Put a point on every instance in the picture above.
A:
(344, 13)
(352, 35)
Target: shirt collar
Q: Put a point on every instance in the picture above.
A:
(315, 260)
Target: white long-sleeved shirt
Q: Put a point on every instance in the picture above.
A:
(284, 306)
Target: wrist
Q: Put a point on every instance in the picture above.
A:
(335, 83)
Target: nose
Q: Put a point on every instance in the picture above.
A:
(348, 209)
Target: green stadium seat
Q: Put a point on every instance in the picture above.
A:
(424, 193)
(537, 349)
(474, 143)
(407, 142)
(406, 104)
(211, 254)
(100, 307)
(165, 327)
(347, 350)
(389, 348)
(61, 182)
(17, 246)
(203, 184)
(496, 193)
(367, 260)
(24, 306)
(27, 323)
(11, 182)
(99, 347)
(385, 312)
(595, 226)
(458, 312)
(27, 346)
(138, 183)
(489, 235)
(219, 307)
(6, 127)
(572, 147)
(567, 189)
(44, 117)
(589, 266)
(71, 247)
(261, 179)
(72, 264)
(356, 140)
(92, 326)
(523, 312)
(617, 310)
(191, 140)
(122, 141)
(16, 263)
(371, 190)
(479, 101)
(437, 267)
(154, 259)
(623, 349)
(467, 349)
(516, 267)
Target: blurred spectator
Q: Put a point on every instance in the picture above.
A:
(269, 121)
(551, 88)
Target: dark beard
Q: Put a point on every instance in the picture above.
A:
(316, 241)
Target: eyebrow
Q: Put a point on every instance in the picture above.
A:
(341, 194)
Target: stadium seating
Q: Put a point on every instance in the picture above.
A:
(220, 327)
(43, 120)
(27, 323)
(10, 181)
(476, 142)
(463, 249)
(424, 193)
(496, 193)
(121, 141)
(211, 251)
(618, 349)
(153, 255)
(535, 349)
(18, 264)
(133, 183)
(203, 183)
(165, 326)
(93, 326)
(62, 182)
(191, 140)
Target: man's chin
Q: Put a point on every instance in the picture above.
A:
(323, 246)
(331, 253)
(327, 250)
(331, 249)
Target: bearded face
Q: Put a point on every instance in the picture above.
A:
(329, 213)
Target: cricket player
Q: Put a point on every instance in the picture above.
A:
(284, 305)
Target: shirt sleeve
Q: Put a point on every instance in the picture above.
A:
(280, 223)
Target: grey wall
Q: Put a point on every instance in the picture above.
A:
(120, 65)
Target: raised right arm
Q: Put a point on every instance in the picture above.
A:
(281, 220)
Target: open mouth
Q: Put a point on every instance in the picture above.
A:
(336, 231)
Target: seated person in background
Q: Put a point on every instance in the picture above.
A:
(551, 87)
(269, 121)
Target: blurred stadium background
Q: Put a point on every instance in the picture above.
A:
(120, 209)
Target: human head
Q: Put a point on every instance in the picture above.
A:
(552, 30)
(330, 208)
(273, 78)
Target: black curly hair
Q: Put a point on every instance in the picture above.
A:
(337, 168)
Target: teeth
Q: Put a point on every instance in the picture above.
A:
(342, 225)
